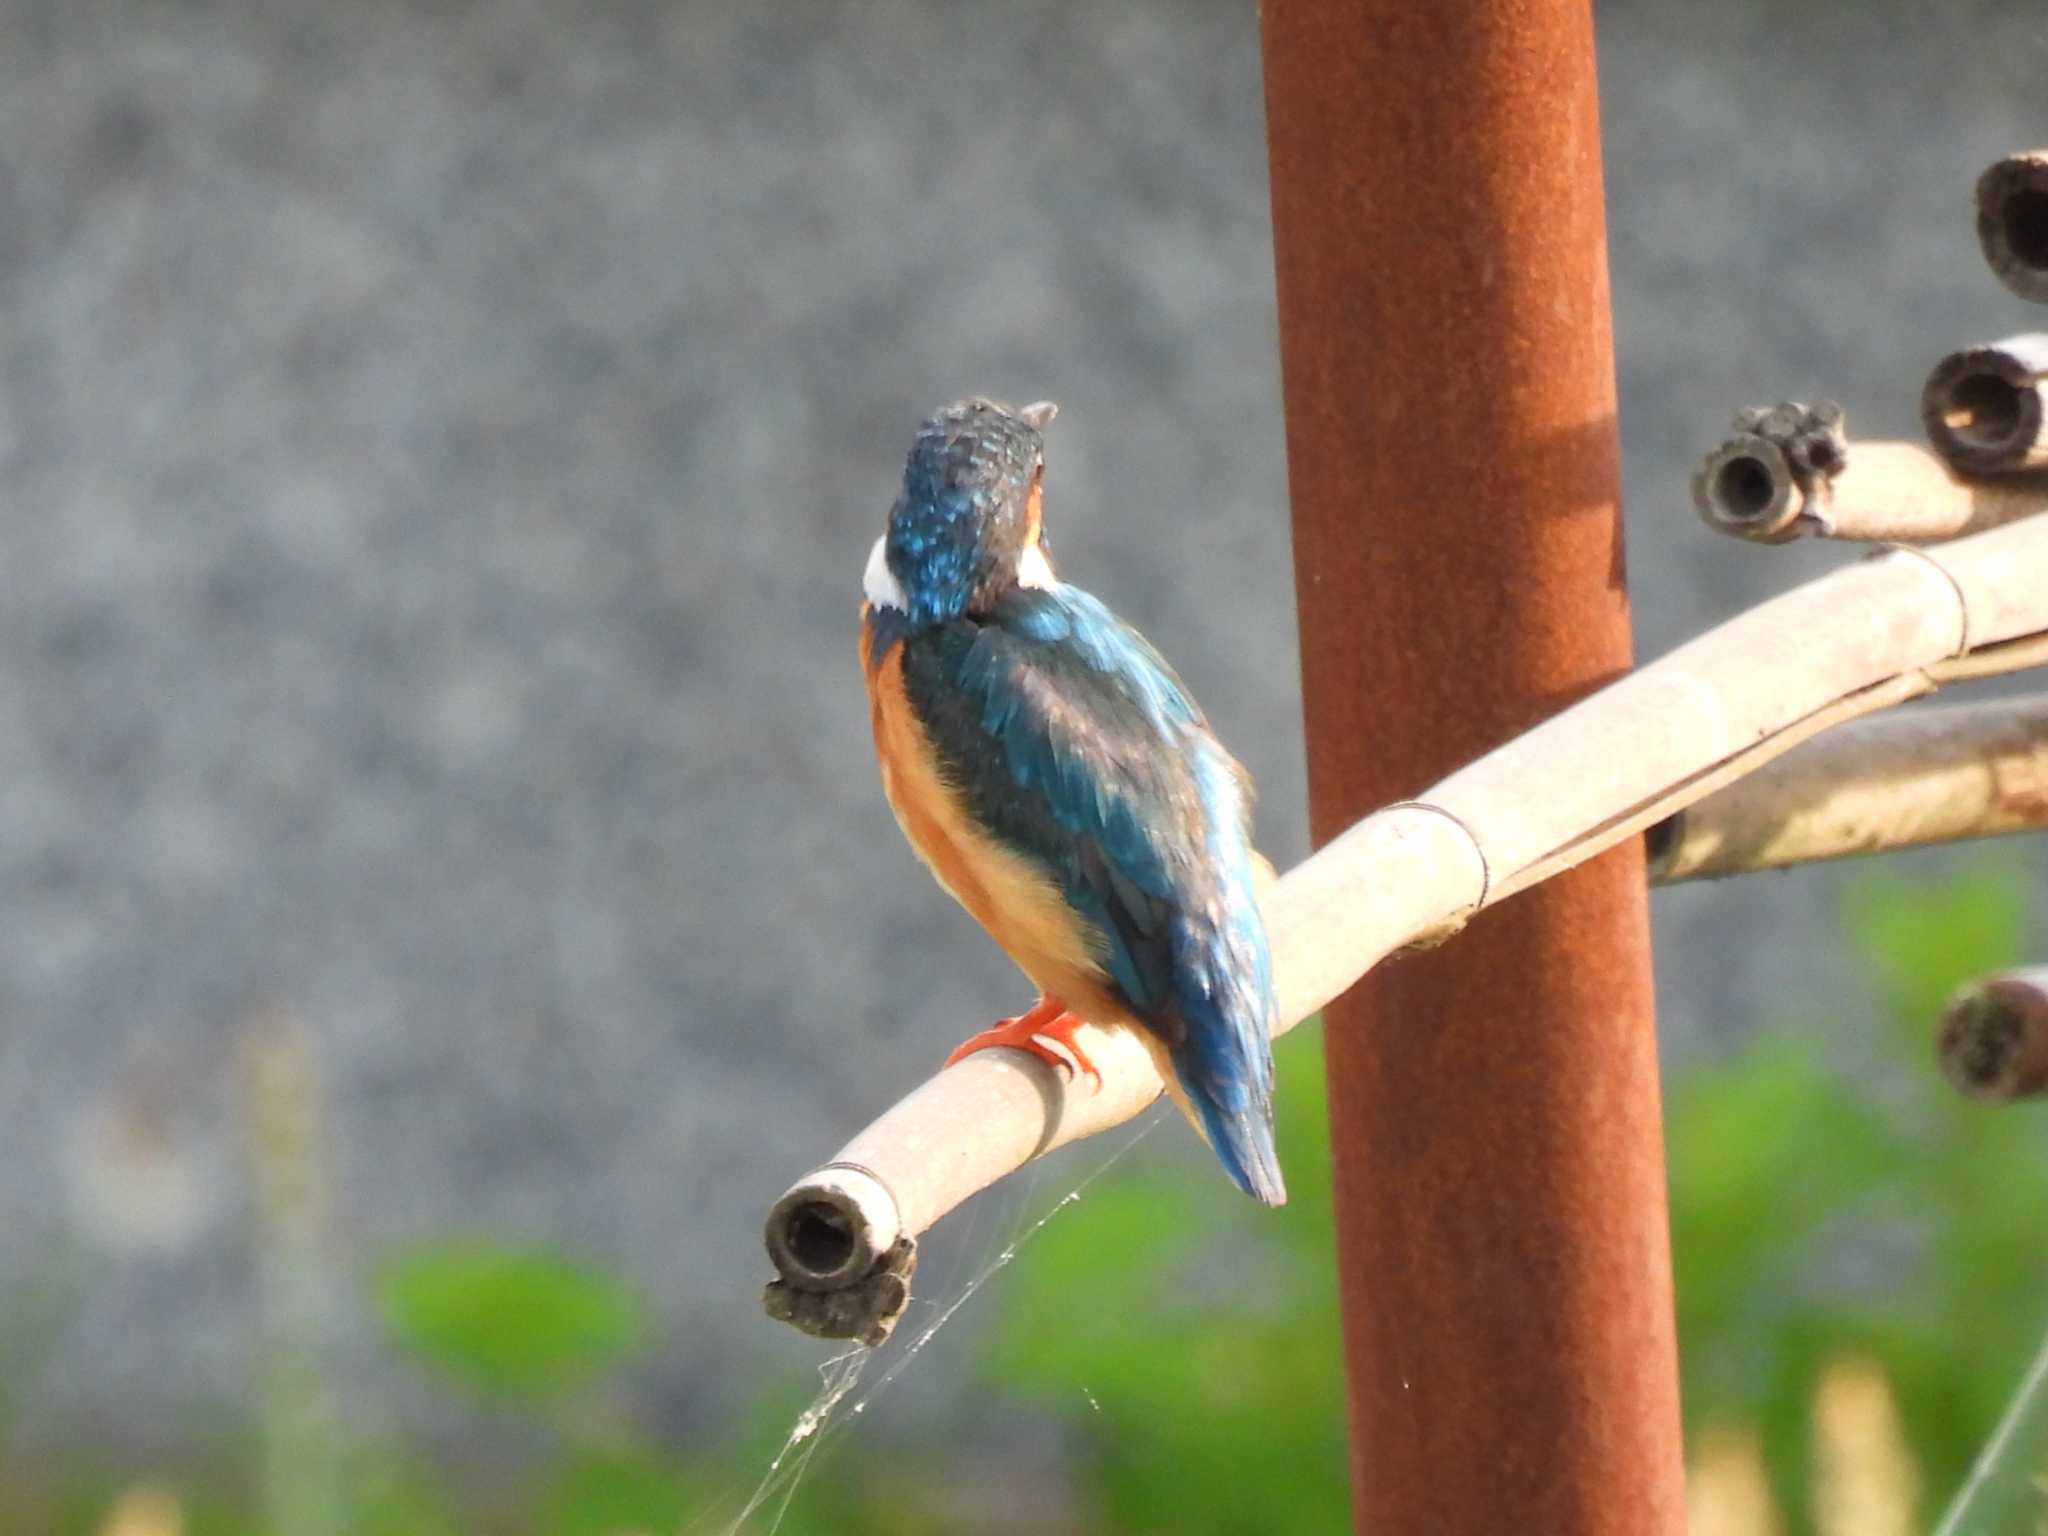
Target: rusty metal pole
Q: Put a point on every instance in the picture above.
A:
(1447, 357)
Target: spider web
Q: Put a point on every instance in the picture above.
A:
(2006, 1493)
(840, 1377)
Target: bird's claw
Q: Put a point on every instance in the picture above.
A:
(1046, 1031)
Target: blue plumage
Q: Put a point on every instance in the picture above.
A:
(1069, 740)
(960, 519)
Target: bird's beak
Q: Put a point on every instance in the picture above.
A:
(1039, 414)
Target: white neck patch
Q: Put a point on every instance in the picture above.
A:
(1034, 570)
(880, 583)
(883, 590)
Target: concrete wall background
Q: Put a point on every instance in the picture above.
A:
(438, 447)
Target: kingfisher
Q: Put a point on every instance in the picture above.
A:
(1057, 778)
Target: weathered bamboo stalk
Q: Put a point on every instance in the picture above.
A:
(1751, 488)
(1983, 407)
(1937, 774)
(1993, 1036)
(1885, 629)
(2012, 222)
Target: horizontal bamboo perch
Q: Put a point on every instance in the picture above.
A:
(1778, 478)
(1869, 635)
(1933, 774)
(1993, 1040)
(1982, 407)
(2012, 222)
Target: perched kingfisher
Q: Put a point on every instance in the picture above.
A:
(1052, 771)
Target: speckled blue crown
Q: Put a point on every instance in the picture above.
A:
(963, 509)
(973, 449)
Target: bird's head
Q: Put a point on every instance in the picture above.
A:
(968, 526)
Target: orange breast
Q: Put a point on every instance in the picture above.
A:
(1010, 896)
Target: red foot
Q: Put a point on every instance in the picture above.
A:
(1047, 1032)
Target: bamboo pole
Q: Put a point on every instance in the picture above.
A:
(1993, 1036)
(1923, 775)
(2012, 222)
(1871, 634)
(1756, 487)
(1983, 407)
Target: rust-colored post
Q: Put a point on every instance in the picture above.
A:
(1447, 356)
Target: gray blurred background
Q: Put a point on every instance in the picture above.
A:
(439, 445)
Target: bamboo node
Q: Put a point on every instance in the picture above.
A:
(1455, 920)
(1933, 561)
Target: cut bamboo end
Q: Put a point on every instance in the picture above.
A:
(1774, 481)
(1993, 1038)
(2012, 222)
(831, 1229)
(1983, 407)
(836, 1239)
(1773, 475)
(1745, 487)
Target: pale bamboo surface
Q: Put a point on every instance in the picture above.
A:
(1993, 1036)
(1883, 492)
(1871, 634)
(1925, 774)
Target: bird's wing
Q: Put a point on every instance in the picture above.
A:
(1070, 739)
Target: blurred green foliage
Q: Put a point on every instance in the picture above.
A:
(1885, 1216)
(1829, 1195)
(509, 1320)
(1190, 1339)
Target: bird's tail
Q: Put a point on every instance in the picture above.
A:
(1222, 1055)
(1220, 1072)
(1243, 1139)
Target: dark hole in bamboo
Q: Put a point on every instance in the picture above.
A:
(2012, 222)
(1993, 1037)
(2026, 227)
(1660, 839)
(1979, 1039)
(1984, 412)
(820, 1238)
(1982, 406)
(1744, 489)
